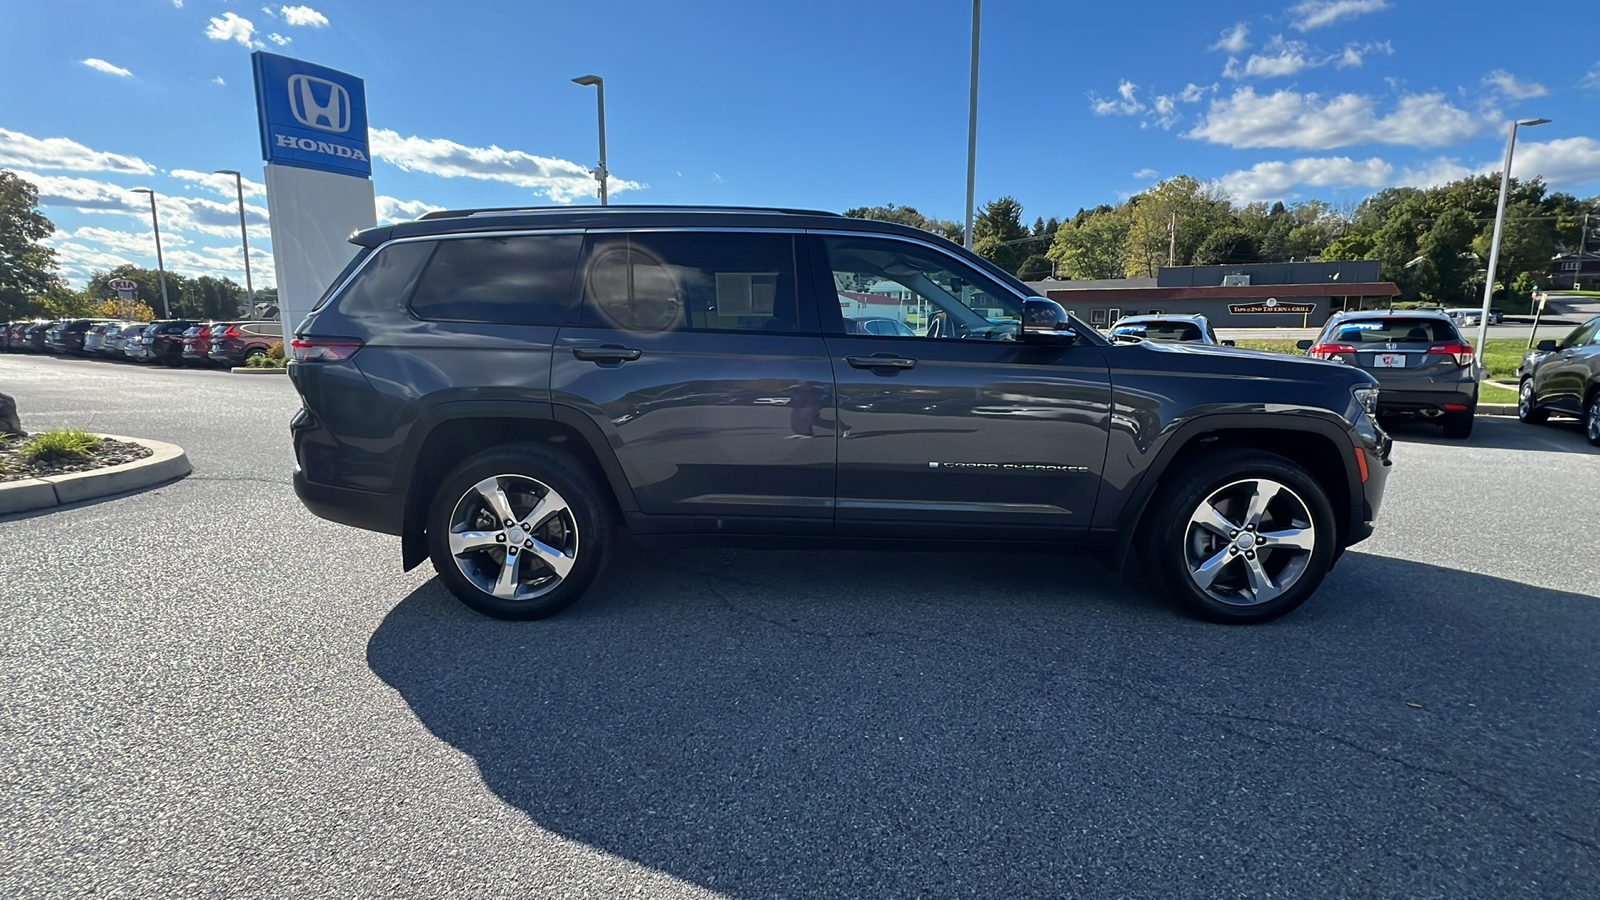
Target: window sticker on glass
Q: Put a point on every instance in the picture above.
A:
(746, 293)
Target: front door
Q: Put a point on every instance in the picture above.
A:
(1563, 377)
(954, 422)
(699, 358)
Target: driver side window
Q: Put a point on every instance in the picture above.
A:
(894, 288)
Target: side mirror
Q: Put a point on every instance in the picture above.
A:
(1545, 346)
(1303, 345)
(1045, 321)
(1229, 344)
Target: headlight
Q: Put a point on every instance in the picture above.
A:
(1367, 396)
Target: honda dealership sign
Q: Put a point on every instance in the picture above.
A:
(311, 116)
(319, 190)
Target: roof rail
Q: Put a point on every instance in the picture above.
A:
(513, 210)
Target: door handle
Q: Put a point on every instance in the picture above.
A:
(607, 353)
(880, 362)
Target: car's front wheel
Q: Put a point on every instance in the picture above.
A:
(1241, 536)
(519, 531)
(1591, 419)
(1528, 411)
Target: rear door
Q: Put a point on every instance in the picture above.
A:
(958, 424)
(699, 358)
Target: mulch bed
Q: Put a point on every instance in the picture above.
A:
(13, 467)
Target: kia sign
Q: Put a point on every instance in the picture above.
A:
(312, 117)
(123, 285)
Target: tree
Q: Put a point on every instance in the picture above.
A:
(999, 236)
(149, 281)
(1228, 245)
(1199, 208)
(27, 266)
(908, 215)
(1093, 244)
(123, 310)
(1037, 267)
(1446, 262)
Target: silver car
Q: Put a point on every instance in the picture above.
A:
(1165, 329)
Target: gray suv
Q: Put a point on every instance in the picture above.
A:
(505, 389)
(1424, 367)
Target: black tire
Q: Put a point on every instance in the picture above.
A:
(584, 533)
(1458, 424)
(1528, 411)
(1591, 418)
(1172, 549)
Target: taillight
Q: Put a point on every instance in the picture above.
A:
(233, 331)
(323, 349)
(1461, 352)
(1327, 351)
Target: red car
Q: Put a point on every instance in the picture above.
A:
(235, 342)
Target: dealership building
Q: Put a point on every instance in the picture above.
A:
(1264, 295)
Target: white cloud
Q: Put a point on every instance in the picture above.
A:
(101, 65)
(1290, 59)
(1233, 40)
(1292, 119)
(270, 11)
(1562, 163)
(1146, 174)
(178, 3)
(561, 180)
(303, 15)
(18, 149)
(232, 27)
(222, 184)
(716, 177)
(128, 242)
(1514, 87)
(1192, 93)
(1165, 110)
(1355, 54)
(1309, 14)
(1129, 105)
(391, 209)
(1591, 81)
(218, 80)
(179, 214)
(1274, 180)
(278, 39)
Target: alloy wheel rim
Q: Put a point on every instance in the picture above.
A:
(1594, 419)
(513, 537)
(1249, 542)
(1525, 399)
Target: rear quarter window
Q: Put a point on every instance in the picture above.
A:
(513, 280)
(382, 283)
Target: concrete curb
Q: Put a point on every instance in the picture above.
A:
(1497, 409)
(168, 462)
(242, 370)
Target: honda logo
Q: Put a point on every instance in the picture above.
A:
(332, 114)
(1391, 346)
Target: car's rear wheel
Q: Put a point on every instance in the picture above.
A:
(519, 532)
(1528, 411)
(1591, 419)
(1241, 536)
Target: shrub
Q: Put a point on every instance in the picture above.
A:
(64, 444)
(272, 358)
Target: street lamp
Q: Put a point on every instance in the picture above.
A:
(1499, 224)
(155, 224)
(600, 93)
(244, 236)
(972, 126)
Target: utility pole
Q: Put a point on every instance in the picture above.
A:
(1172, 241)
(972, 125)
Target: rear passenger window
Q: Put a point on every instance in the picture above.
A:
(521, 280)
(715, 281)
(381, 284)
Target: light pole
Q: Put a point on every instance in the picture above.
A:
(1494, 244)
(244, 237)
(600, 172)
(155, 224)
(972, 126)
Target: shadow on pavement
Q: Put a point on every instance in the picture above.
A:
(859, 725)
(1499, 433)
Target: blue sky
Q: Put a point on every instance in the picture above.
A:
(823, 104)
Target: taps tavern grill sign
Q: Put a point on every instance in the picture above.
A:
(312, 117)
(1271, 306)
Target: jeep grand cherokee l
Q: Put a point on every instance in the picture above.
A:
(503, 389)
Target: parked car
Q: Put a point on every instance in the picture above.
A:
(1165, 329)
(162, 342)
(1563, 377)
(197, 343)
(35, 336)
(10, 336)
(116, 341)
(239, 341)
(881, 325)
(94, 340)
(503, 389)
(1424, 367)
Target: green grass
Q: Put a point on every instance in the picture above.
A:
(1494, 393)
(69, 444)
(1276, 345)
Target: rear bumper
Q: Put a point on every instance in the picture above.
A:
(1401, 400)
(359, 509)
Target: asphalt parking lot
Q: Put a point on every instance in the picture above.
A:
(206, 691)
